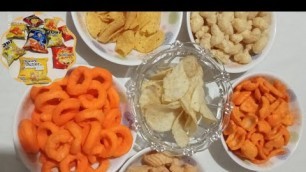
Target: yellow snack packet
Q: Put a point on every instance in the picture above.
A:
(33, 70)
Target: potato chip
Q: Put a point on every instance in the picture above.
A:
(150, 93)
(191, 66)
(179, 134)
(125, 43)
(160, 117)
(153, 25)
(93, 24)
(145, 44)
(160, 75)
(131, 17)
(176, 84)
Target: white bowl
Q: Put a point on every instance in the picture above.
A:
(234, 67)
(25, 109)
(170, 24)
(295, 130)
(136, 160)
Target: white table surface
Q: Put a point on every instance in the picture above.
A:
(286, 58)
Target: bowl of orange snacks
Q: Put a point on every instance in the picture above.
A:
(77, 122)
(265, 124)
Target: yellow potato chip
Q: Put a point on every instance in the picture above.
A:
(191, 65)
(125, 43)
(160, 117)
(93, 24)
(151, 92)
(146, 44)
(131, 18)
(153, 25)
(175, 84)
(160, 75)
(179, 134)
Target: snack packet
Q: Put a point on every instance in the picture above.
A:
(33, 20)
(66, 33)
(16, 31)
(54, 38)
(33, 70)
(63, 57)
(11, 51)
(51, 24)
(36, 41)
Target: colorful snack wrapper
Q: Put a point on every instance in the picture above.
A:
(16, 31)
(63, 57)
(37, 41)
(66, 33)
(54, 38)
(33, 70)
(11, 51)
(33, 20)
(51, 24)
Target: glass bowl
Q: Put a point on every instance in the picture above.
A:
(217, 89)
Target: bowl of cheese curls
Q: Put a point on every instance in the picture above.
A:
(179, 98)
(265, 124)
(150, 160)
(78, 122)
(127, 37)
(238, 40)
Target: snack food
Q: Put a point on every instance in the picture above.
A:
(231, 36)
(51, 24)
(173, 100)
(129, 30)
(33, 70)
(66, 33)
(258, 127)
(54, 38)
(11, 51)
(67, 134)
(33, 20)
(158, 161)
(62, 57)
(36, 41)
(16, 31)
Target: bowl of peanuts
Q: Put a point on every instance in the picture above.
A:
(238, 40)
(265, 124)
(151, 160)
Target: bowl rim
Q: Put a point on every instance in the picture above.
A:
(256, 167)
(26, 96)
(245, 67)
(108, 57)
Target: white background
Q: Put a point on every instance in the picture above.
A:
(287, 59)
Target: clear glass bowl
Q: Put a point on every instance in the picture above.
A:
(217, 91)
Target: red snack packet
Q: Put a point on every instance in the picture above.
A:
(66, 33)
(33, 20)
(63, 57)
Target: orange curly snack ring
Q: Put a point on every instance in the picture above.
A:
(65, 111)
(103, 76)
(109, 142)
(44, 131)
(27, 136)
(36, 90)
(112, 118)
(76, 132)
(52, 97)
(80, 161)
(262, 109)
(79, 81)
(92, 137)
(35, 117)
(48, 166)
(58, 145)
(98, 98)
(90, 114)
(124, 139)
(103, 166)
(113, 98)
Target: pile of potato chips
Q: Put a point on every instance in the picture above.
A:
(129, 30)
(173, 100)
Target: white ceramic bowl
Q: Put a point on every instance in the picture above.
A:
(136, 160)
(295, 130)
(170, 24)
(234, 67)
(25, 109)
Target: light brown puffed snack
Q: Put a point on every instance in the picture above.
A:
(156, 159)
(140, 168)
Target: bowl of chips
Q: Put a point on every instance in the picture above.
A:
(179, 97)
(148, 159)
(126, 37)
(58, 124)
(238, 40)
(265, 124)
